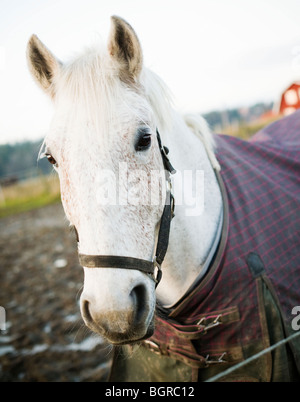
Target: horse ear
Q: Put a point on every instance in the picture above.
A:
(42, 64)
(125, 48)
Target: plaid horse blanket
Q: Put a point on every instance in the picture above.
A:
(244, 303)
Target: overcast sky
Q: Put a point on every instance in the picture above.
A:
(213, 54)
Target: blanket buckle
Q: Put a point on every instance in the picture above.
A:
(217, 360)
(217, 321)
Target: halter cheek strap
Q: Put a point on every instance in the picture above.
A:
(149, 267)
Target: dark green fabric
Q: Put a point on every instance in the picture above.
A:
(283, 363)
(143, 365)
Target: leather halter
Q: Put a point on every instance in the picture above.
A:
(148, 267)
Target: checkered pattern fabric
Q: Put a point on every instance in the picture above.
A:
(261, 238)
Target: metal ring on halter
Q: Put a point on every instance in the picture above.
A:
(158, 273)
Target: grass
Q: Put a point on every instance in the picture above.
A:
(29, 194)
(245, 131)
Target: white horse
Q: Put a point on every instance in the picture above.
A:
(106, 104)
(103, 144)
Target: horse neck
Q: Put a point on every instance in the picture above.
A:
(194, 229)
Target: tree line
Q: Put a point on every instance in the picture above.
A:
(20, 161)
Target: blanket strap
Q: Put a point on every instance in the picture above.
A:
(176, 340)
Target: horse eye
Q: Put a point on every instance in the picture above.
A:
(144, 140)
(51, 159)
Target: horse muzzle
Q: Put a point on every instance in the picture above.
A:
(128, 320)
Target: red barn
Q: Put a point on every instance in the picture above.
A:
(290, 99)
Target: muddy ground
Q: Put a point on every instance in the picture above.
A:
(40, 285)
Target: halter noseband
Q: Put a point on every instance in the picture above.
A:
(148, 267)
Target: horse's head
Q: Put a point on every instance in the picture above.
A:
(102, 142)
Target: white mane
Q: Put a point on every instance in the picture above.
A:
(160, 99)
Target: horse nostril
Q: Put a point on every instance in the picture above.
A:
(138, 296)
